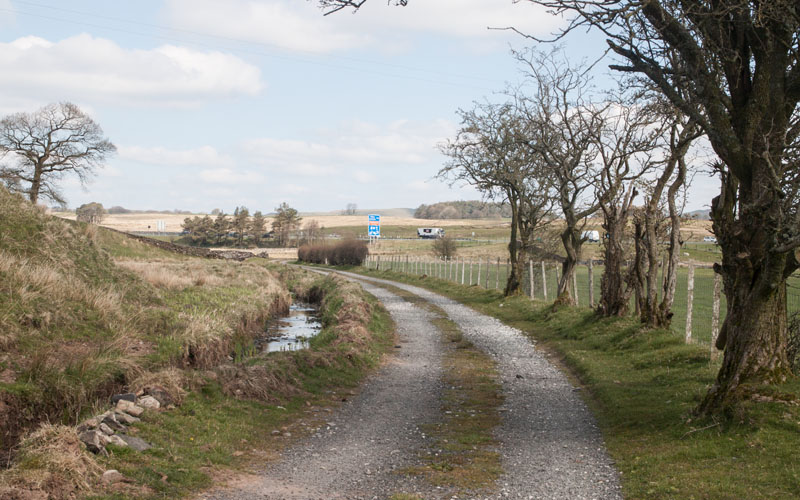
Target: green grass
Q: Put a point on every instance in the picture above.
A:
(643, 387)
(212, 431)
(497, 276)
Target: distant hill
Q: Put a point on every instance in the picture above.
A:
(473, 209)
(699, 214)
(386, 212)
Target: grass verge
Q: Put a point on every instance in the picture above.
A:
(642, 387)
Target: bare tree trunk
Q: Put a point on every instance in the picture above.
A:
(615, 289)
(754, 333)
(659, 314)
(514, 281)
(573, 245)
(36, 185)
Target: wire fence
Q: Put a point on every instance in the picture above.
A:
(696, 290)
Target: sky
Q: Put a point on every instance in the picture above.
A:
(253, 103)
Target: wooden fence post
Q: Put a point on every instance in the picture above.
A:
(591, 282)
(463, 269)
(558, 279)
(479, 272)
(497, 275)
(488, 266)
(530, 278)
(689, 303)
(544, 282)
(575, 283)
(715, 315)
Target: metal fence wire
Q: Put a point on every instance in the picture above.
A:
(540, 282)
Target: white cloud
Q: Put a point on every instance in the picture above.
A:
(204, 156)
(353, 145)
(364, 177)
(84, 67)
(231, 177)
(299, 25)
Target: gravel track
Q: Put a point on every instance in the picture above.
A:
(372, 435)
(550, 445)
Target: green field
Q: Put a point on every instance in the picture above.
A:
(498, 271)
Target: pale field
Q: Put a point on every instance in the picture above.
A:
(693, 230)
(141, 221)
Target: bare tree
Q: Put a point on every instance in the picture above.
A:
(624, 143)
(312, 231)
(350, 209)
(659, 221)
(566, 125)
(489, 153)
(444, 247)
(733, 66)
(40, 148)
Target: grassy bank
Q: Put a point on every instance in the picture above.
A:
(86, 313)
(642, 387)
(250, 410)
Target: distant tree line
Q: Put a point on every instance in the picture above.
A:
(474, 209)
(243, 229)
(115, 210)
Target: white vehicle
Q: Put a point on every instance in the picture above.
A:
(430, 232)
(591, 236)
(710, 239)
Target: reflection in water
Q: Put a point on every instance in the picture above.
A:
(291, 332)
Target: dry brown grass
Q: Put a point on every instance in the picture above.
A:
(53, 462)
(172, 380)
(171, 274)
(46, 292)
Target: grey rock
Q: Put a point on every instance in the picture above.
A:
(123, 397)
(135, 443)
(116, 440)
(126, 419)
(105, 429)
(149, 402)
(115, 425)
(95, 441)
(89, 424)
(112, 476)
(130, 408)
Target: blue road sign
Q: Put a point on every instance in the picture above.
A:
(374, 218)
(374, 230)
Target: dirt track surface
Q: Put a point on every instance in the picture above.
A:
(550, 446)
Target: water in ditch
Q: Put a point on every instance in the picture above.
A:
(292, 332)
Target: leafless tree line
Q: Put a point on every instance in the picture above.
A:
(729, 70)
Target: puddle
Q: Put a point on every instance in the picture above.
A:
(291, 333)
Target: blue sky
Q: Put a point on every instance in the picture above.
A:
(255, 102)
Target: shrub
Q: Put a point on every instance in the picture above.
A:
(345, 253)
(444, 247)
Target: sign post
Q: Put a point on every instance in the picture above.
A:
(374, 227)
